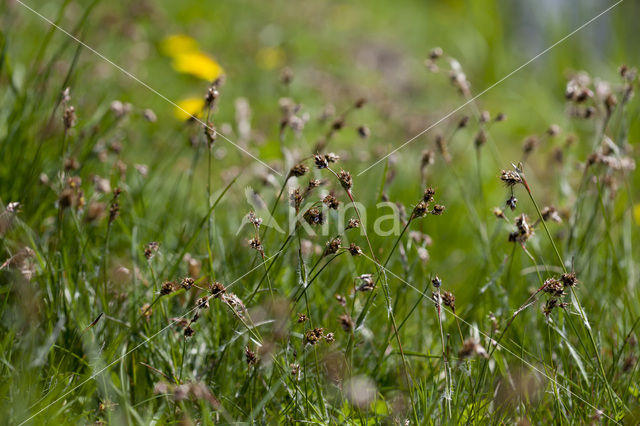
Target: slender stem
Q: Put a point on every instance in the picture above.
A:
(575, 296)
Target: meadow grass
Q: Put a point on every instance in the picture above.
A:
(152, 272)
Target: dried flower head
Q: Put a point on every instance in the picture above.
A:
(471, 347)
(497, 212)
(436, 281)
(313, 336)
(428, 195)
(420, 209)
(346, 322)
(364, 132)
(449, 300)
(329, 338)
(202, 303)
(320, 161)
(299, 170)
(256, 221)
(69, 117)
(331, 202)
(189, 332)
(296, 198)
(354, 250)
(345, 179)
(524, 230)
(510, 178)
(314, 216)
(481, 138)
(341, 300)
(549, 213)
(250, 356)
(331, 157)
(302, 318)
(438, 209)
(187, 283)
(554, 287)
(255, 244)
(366, 282)
(435, 53)
(332, 246)
(168, 287)
(569, 279)
(217, 289)
(512, 202)
(353, 223)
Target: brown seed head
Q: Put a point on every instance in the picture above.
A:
(345, 179)
(331, 202)
(510, 178)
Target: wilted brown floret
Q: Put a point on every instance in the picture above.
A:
(354, 250)
(146, 311)
(313, 336)
(345, 179)
(449, 300)
(69, 117)
(481, 138)
(550, 213)
(168, 287)
(255, 220)
(210, 134)
(510, 178)
(302, 318)
(346, 322)
(331, 157)
(353, 223)
(523, 232)
(438, 209)
(471, 347)
(497, 212)
(428, 195)
(420, 209)
(554, 287)
(529, 144)
(436, 281)
(187, 283)
(320, 161)
(331, 202)
(250, 356)
(341, 300)
(314, 216)
(332, 246)
(255, 244)
(299, 170)
(435, 53)
(363, 132)
(366, 282)
(189, 332)
(569, 279)
(329, 338)
(217, 289)
(203, 303)
(296, 198)
(512, 202)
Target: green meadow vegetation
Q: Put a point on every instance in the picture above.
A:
(325, 212)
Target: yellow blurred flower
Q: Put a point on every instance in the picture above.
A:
(636, 213)
(269, 58)
(188, 107)
(197, 64)
(178, 44)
